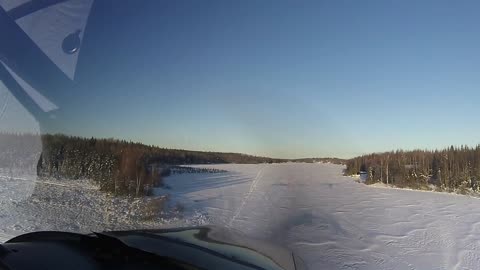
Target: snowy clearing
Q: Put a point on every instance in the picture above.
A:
(334, 222)
(328, 219)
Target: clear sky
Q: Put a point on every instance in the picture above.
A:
(280, 78)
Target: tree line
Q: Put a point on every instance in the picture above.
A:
(337, 161)
(118, 166)
(449, 169)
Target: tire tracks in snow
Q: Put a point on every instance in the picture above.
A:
(247, 196)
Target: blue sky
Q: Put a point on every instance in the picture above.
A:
(281, 78)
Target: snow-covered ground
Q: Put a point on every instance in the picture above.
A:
(28, 204)
(330, 220)
(334, 222)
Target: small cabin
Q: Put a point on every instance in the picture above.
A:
(363, 176)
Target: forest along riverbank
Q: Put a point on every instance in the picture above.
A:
(453, 169)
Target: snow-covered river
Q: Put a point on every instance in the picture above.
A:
(328, 219)
(334, 222)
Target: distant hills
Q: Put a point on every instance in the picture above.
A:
(320, 160)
